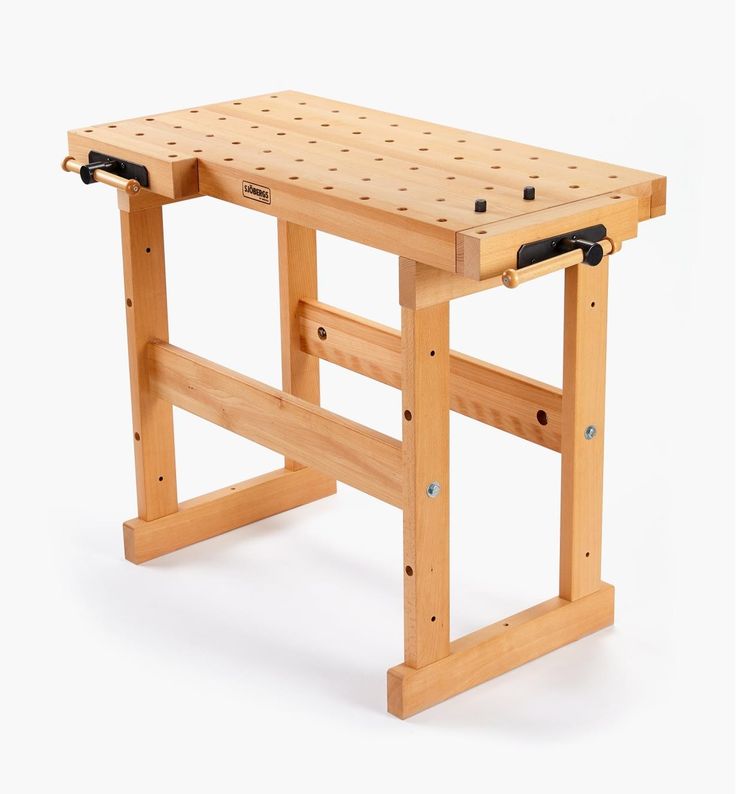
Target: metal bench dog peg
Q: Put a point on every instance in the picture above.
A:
(456, 209)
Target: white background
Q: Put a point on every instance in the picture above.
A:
(256, 661)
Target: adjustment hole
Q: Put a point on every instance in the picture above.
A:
(542, 417)
(407, 415)
(137, 436)
(128, 302)
(505, 624)
(592, 305)
(433, 618)
(432, 353)
(409, 570)
(587, 554)
(148, 250)
(161, 478)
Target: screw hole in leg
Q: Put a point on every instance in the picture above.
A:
(542, 417)
(409, 570)
(128, 302)
(505, 624)
(137, 436)
(407, 415)
(587, 554)
(432, 353)
(592, 305)
(161, 478)
(433, 618)
(148, 250)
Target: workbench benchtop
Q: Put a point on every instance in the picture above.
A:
(393, 182)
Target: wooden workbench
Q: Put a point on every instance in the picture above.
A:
(458, 208)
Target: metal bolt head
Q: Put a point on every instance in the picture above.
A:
(321, 333)
(590, 432)
(433, 490)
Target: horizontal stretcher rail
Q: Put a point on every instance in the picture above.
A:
(519, 405)
(346, 450)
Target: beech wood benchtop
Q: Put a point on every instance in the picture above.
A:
(395, 183)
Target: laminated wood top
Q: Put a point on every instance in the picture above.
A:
(392, 182)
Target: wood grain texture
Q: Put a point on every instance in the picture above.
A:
(297, 280)
(425, 401)
(421, 285)
(583, 405)
(486, 251)
(498, 648)
(525, 407)
(396, 183)
(348, 451)
(224, 510)
(147, 319)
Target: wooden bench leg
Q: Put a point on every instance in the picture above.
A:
(297, 281)
(146, 316)
(163, 525)
(425, 376)
(583, 401)
(435, 669)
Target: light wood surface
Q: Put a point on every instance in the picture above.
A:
(147, 319)
(412, 188)
(348, 451)
(425, 401)
(489, 250)
(222, 511)
(583, 403)
(514, 403)
(297, 280)
(396, 183)
(422, 285)
(498, 648)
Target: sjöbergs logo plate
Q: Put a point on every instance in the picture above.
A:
(257, 192)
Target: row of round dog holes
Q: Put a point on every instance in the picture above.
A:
(388, 140)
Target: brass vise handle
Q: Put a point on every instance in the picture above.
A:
(590, 253)
(89, 174)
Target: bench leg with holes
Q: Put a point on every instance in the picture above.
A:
(163, 525)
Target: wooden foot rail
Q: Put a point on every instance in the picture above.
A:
(224, 510)
(498, 648)
(525, 407)
(350, 452)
